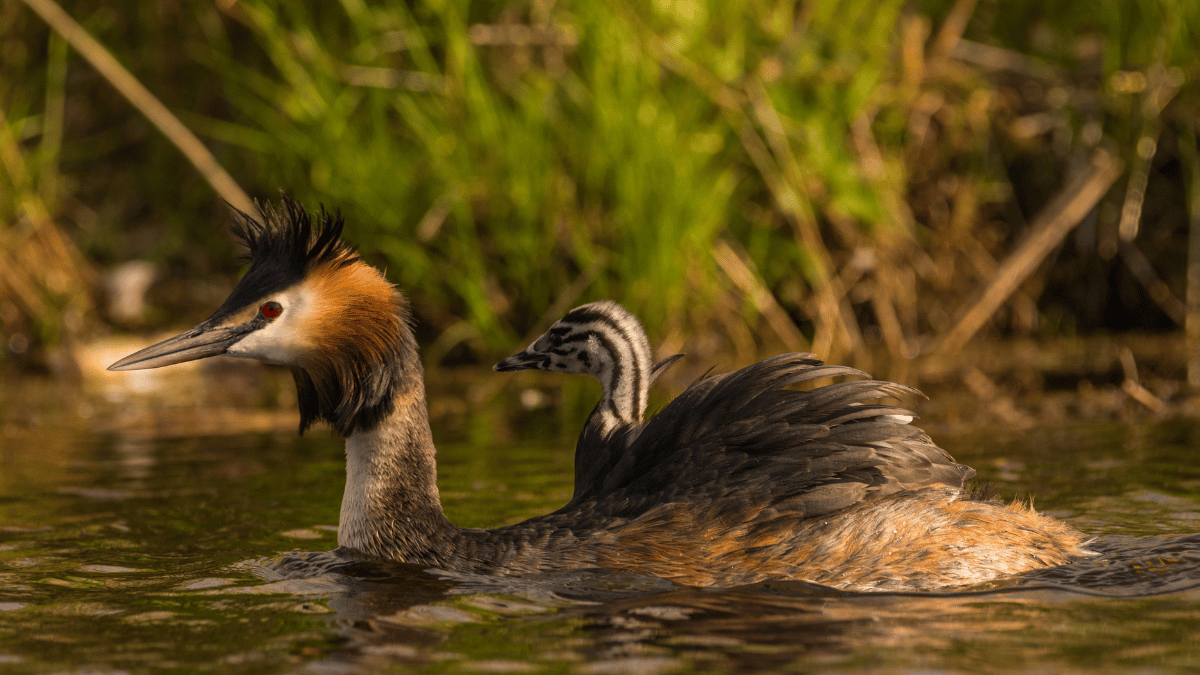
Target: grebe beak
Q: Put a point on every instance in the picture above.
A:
(522, 361)
(198, 343)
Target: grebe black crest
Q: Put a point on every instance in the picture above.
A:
(737, 480)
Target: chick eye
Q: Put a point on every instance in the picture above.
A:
(271, 309)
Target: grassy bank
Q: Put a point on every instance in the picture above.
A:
(852, 178)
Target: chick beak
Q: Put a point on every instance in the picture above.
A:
(521, 361)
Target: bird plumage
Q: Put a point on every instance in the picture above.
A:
(738, 479)
(606, 341)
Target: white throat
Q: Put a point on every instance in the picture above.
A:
(373, 461)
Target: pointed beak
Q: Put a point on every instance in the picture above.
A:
(198, 343)
(522, 361)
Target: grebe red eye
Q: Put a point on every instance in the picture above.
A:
(271, 309)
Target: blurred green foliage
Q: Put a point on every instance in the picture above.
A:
(498, 158)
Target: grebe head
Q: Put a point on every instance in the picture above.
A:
(309, 302)
(589, 340)
(737, 480)
(604, 340)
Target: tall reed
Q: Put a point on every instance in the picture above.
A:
(854, 171)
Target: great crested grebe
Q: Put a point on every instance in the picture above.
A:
(735, 481)
(604, 340)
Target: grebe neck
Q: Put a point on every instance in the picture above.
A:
(391, 506)
(624, 373)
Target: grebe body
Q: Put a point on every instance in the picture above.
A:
(737, 480)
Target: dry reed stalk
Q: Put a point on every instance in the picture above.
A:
(899, 275)
(38, 262)
(16, 285)
(736, 266)
(949, 35)
(1132, 385)
(1047, 231)
(782, 172)
(914, 31)
(1002, 405)
(1158, 290)
(825, 317)
(986, 267)
(829, 321)
(146, 103)
(1161, 86)
(1139, 178)
(990, 57)
(1190, 158)
(889, 323)
(891, 297)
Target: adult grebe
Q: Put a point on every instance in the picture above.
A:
(735, 481)
(604, 340)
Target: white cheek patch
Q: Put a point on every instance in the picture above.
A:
(281, 341)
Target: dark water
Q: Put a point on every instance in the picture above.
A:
(154, 549)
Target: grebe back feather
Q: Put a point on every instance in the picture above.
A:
(736, 480)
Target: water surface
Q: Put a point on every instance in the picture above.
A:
(154, 547)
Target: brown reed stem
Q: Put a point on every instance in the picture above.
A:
(146, 103)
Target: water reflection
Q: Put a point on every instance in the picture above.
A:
(1125, 567)
(154, 547)
(616, 622)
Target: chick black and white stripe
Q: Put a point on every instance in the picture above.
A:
(605, 341)
(739, 479)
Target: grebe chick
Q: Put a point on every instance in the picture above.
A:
(735, 481)
(604, 340)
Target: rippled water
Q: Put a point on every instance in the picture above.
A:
(152, 549)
